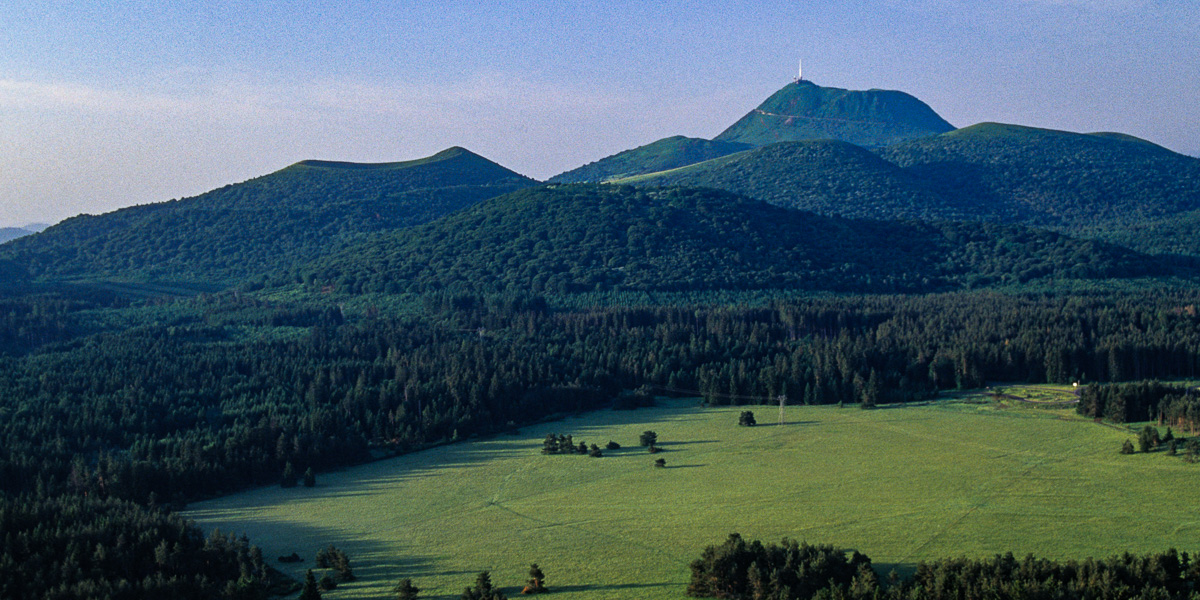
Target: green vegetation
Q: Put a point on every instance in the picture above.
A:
(1101, 185)
(806, 111)
(667, 153)
(1114, 188)
(576, 238)
(827, 177)
(902, 484)
(256, 229)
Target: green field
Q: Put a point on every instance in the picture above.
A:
(900, 484)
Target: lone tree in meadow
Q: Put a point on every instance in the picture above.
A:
(648, 439)
(1127, 447)
(483, 589)
(537, 581)
(405, 590)
(746, 419)
(1148, 438)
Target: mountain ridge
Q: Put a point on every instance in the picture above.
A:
(265, 224)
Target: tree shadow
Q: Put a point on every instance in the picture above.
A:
(685, 466)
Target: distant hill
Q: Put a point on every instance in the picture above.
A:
(12, 233)
(806, 111)
(1104, 185)
(667, 153)
(259, 227)
(574, 238)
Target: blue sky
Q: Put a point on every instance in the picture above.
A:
(114, 103)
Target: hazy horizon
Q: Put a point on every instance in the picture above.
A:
(136, 102)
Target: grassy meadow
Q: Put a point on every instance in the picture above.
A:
(898, 483)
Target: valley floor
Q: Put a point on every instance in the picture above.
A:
(898, 483)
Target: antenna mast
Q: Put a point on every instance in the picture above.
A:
(799, 72)
(782, 401)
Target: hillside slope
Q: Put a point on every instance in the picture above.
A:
(827, 176)
(573, 238)
(667, 153)
(1104, 185)
(258, 227)
(806, 111)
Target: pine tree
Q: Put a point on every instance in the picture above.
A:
(310, 478)
(536, 582)
(405, 590)
(310, 591)
(288, 479)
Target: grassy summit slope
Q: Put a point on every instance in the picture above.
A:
(806, 111)
(901, 484)
(667, 153)
(263, 225)
(599, 237)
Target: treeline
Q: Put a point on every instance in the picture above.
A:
(737, 570)
(1171, 405)
(228, 391)
(72, 546)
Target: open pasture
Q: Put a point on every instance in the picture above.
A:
(898, 483)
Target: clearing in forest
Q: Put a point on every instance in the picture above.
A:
(898, 483)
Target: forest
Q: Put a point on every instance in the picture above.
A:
(220, 392)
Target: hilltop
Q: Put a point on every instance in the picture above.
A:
(1106, 186)
(800, 111)
(806, 111)
(263, 225)
(1103, 185)
(577, 238)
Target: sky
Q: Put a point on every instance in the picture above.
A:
(111, 104)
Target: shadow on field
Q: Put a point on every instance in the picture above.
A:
(787, 424)
(615, 586)
(686, 443)
(684, 466)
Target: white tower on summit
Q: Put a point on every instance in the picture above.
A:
(799, 72)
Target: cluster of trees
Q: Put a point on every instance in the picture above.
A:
(565, 444)
(740, 570)
(1168, 404)
(73, 546)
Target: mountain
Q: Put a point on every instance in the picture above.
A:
(806, 111)
(1106, 186)
(264, 225)
(12, 233)
(1110, 186)
(829, 177)
(571, 238)
(667, 153)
